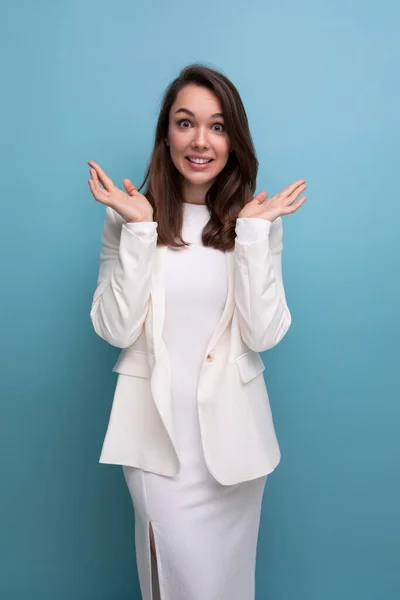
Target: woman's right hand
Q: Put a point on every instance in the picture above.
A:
(132, 206)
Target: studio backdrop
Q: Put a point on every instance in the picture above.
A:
(320, 83)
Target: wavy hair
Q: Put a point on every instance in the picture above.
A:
(233, 187)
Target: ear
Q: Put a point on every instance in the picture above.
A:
(166, 141)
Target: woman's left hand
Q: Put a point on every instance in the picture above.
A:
(283, 203)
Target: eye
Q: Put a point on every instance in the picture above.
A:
(221, 127)
(180, 123)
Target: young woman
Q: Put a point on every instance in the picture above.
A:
(190, 286)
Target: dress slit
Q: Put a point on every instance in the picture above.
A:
(155, 566)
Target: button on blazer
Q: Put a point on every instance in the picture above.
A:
(128, 309)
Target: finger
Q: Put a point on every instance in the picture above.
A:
(292, 187)
(98, 194)
(95, 179)
(296, 205)
(97, 184)
(261, 197)
(292, 197)
(103, 177)
(129, 186)
(93, 188)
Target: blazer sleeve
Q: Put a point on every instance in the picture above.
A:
(121, 299)
(264, 317)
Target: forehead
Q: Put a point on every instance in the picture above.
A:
(201, 101)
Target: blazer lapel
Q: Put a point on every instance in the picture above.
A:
(158, 297)
(158, 292)
(229, 305)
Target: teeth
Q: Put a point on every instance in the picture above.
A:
(200, 161)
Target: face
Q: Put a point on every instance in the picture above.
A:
(198, 143)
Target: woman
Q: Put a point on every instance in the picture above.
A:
(190, 286)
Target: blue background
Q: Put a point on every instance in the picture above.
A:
(320, 83)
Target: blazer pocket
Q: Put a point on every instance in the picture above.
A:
(134, 363)
(250, 365)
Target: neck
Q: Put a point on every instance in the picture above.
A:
(195, 194)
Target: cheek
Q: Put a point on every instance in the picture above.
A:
(223, 149)
(177, 143)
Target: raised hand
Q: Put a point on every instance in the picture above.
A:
(283, 203)
(132, 206)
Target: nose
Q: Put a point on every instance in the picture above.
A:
(200, 139)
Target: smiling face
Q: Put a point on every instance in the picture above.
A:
(199, 145)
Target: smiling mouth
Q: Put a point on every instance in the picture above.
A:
(199, 161)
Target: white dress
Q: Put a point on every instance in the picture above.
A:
(205, 533)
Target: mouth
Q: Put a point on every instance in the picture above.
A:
(198, 163)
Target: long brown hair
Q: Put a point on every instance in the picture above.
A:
(234, 186)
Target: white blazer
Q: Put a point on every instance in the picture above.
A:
(237, 429)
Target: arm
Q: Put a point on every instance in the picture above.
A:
(264, 316)
(121, 299)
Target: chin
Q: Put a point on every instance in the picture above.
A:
(200, 179)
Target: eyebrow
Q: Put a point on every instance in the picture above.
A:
(190, 113)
